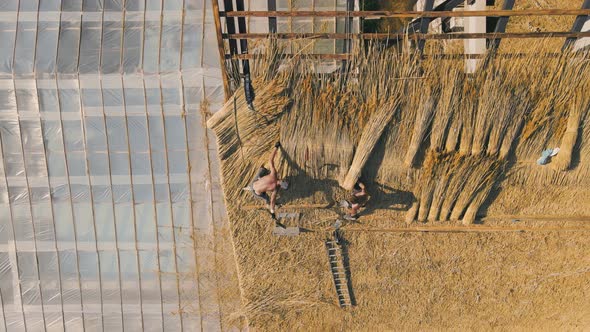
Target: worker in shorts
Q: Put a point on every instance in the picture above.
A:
(357, 199)
(266, 181)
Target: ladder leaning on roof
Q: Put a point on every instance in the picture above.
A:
(338, 269)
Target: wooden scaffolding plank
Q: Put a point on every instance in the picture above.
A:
(221, 48)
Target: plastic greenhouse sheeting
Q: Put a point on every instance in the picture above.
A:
(107, 178)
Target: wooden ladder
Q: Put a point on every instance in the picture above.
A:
(338, 269)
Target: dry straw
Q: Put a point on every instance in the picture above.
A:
(579, 109)
(458, 132)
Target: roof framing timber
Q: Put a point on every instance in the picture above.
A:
(400, 36)
(409, 14)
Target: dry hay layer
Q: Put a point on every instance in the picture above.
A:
(433, 144)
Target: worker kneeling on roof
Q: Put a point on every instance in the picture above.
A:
(266, 182)
(358, 198)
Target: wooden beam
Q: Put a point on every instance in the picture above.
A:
(324, 56)
(285, 207)
(463, 229)
(221, 48)
(345, 56)
(410, 14)
(230, 24)
(401, 36)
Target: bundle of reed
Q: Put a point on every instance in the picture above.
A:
(467, 112)
(426, 184)
(371, 134)
(499, 126)
(511, 105)
(430, 187)
(548, 92)
(317, 154)
(237, 100)
(563, 160)
(399, 140)
(443, 178)
(434, 184)
(449, 183)
(493, 112)
(518, 108)
(245, 137)
(461, 168)
(453, 134)
(389, 164)
(424, 115)
(447, 104)
(412, 212)
(422, 99)
(482, 194)
(241, 124)
(481, 175)
(482, 93)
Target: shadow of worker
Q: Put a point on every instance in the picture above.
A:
(301, 185)
(382, 196)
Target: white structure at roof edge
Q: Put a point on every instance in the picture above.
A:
(583, 43)
(474, 24)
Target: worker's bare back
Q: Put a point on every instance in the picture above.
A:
(266, 183)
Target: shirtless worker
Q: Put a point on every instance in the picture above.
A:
(266, 181)
(357, 199)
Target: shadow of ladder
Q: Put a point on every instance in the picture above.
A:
(338, 270)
